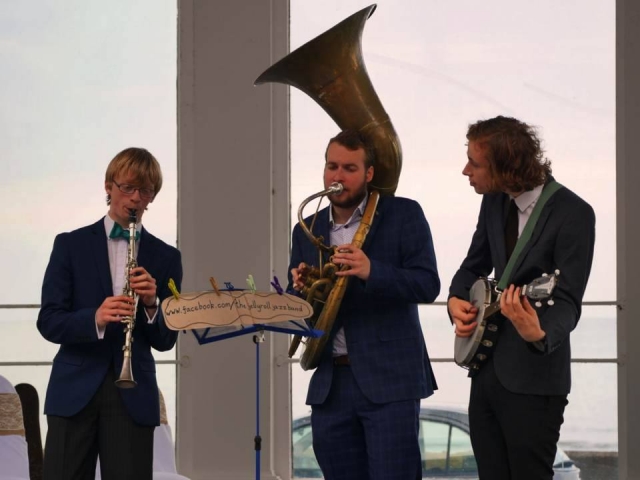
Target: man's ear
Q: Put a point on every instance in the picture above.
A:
(369, 176)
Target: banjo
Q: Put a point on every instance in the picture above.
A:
(471, 352)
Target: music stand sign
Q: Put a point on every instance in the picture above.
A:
(221, 314)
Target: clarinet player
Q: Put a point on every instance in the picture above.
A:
(83, 305)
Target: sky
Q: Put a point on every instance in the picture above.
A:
(79, 84)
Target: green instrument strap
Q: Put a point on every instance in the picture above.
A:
(548, 190)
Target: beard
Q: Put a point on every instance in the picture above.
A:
(352, 200)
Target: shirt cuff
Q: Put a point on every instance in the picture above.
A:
(540, 345)
(99, 330)
(151, 319)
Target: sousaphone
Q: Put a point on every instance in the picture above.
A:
(330, 69)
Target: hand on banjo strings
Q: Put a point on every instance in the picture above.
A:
(463, 314)
(354, 258)
(522, 315)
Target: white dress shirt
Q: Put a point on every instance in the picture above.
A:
(118, 249)
(526, 202)
(341, 234)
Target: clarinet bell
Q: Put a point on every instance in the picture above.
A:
(125, 380)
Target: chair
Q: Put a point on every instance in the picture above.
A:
(31, 415)
(164, 453)
(14, 456)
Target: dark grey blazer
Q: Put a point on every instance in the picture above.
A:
(563, 239)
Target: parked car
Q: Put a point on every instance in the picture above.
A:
(445, 443)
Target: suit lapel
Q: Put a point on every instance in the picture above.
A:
(101, 256)
(322, 228)
(145, 248)
(375, 222)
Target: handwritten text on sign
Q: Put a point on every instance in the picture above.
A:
(235, 307)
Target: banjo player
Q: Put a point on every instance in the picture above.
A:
(519, 394)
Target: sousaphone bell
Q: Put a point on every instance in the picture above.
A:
(330, 69)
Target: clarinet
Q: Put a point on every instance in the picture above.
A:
(125, 380)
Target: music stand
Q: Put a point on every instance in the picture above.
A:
(222, 332)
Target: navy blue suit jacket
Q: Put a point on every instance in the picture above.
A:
(386, 346)
(76, 282)
(563, 239)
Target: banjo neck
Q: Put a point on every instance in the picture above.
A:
(539, 289)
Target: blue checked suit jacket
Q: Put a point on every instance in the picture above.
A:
(563, 239)
(380, 316)
(76, 282)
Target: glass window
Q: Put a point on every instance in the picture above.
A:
(434, 447)
(305, 464)
(461, 459)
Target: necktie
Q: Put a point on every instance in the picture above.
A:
(511, 228)
(118, 232)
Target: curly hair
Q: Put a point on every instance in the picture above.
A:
(516, 158)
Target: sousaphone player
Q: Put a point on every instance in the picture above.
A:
(372, 367)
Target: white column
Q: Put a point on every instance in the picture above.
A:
(233, 220)
(628, 234)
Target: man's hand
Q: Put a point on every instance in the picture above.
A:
(521, 314)
(144, 285)
(299, 276)
(463, 315)
(353, 257)
(113, 309)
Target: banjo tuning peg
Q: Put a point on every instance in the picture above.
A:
(538, 304)
(550, 302)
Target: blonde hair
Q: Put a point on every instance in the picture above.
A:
(140, 163)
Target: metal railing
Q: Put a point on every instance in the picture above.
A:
(281, 360)
(27, 306)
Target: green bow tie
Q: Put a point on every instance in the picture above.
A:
(118, 232)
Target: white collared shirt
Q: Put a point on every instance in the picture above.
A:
(118, 249)
(526, 202)
(341, 234)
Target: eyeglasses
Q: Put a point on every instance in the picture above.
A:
(145, 193)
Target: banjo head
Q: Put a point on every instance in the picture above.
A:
(471, 352)
(480, 294)
(466, 348)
